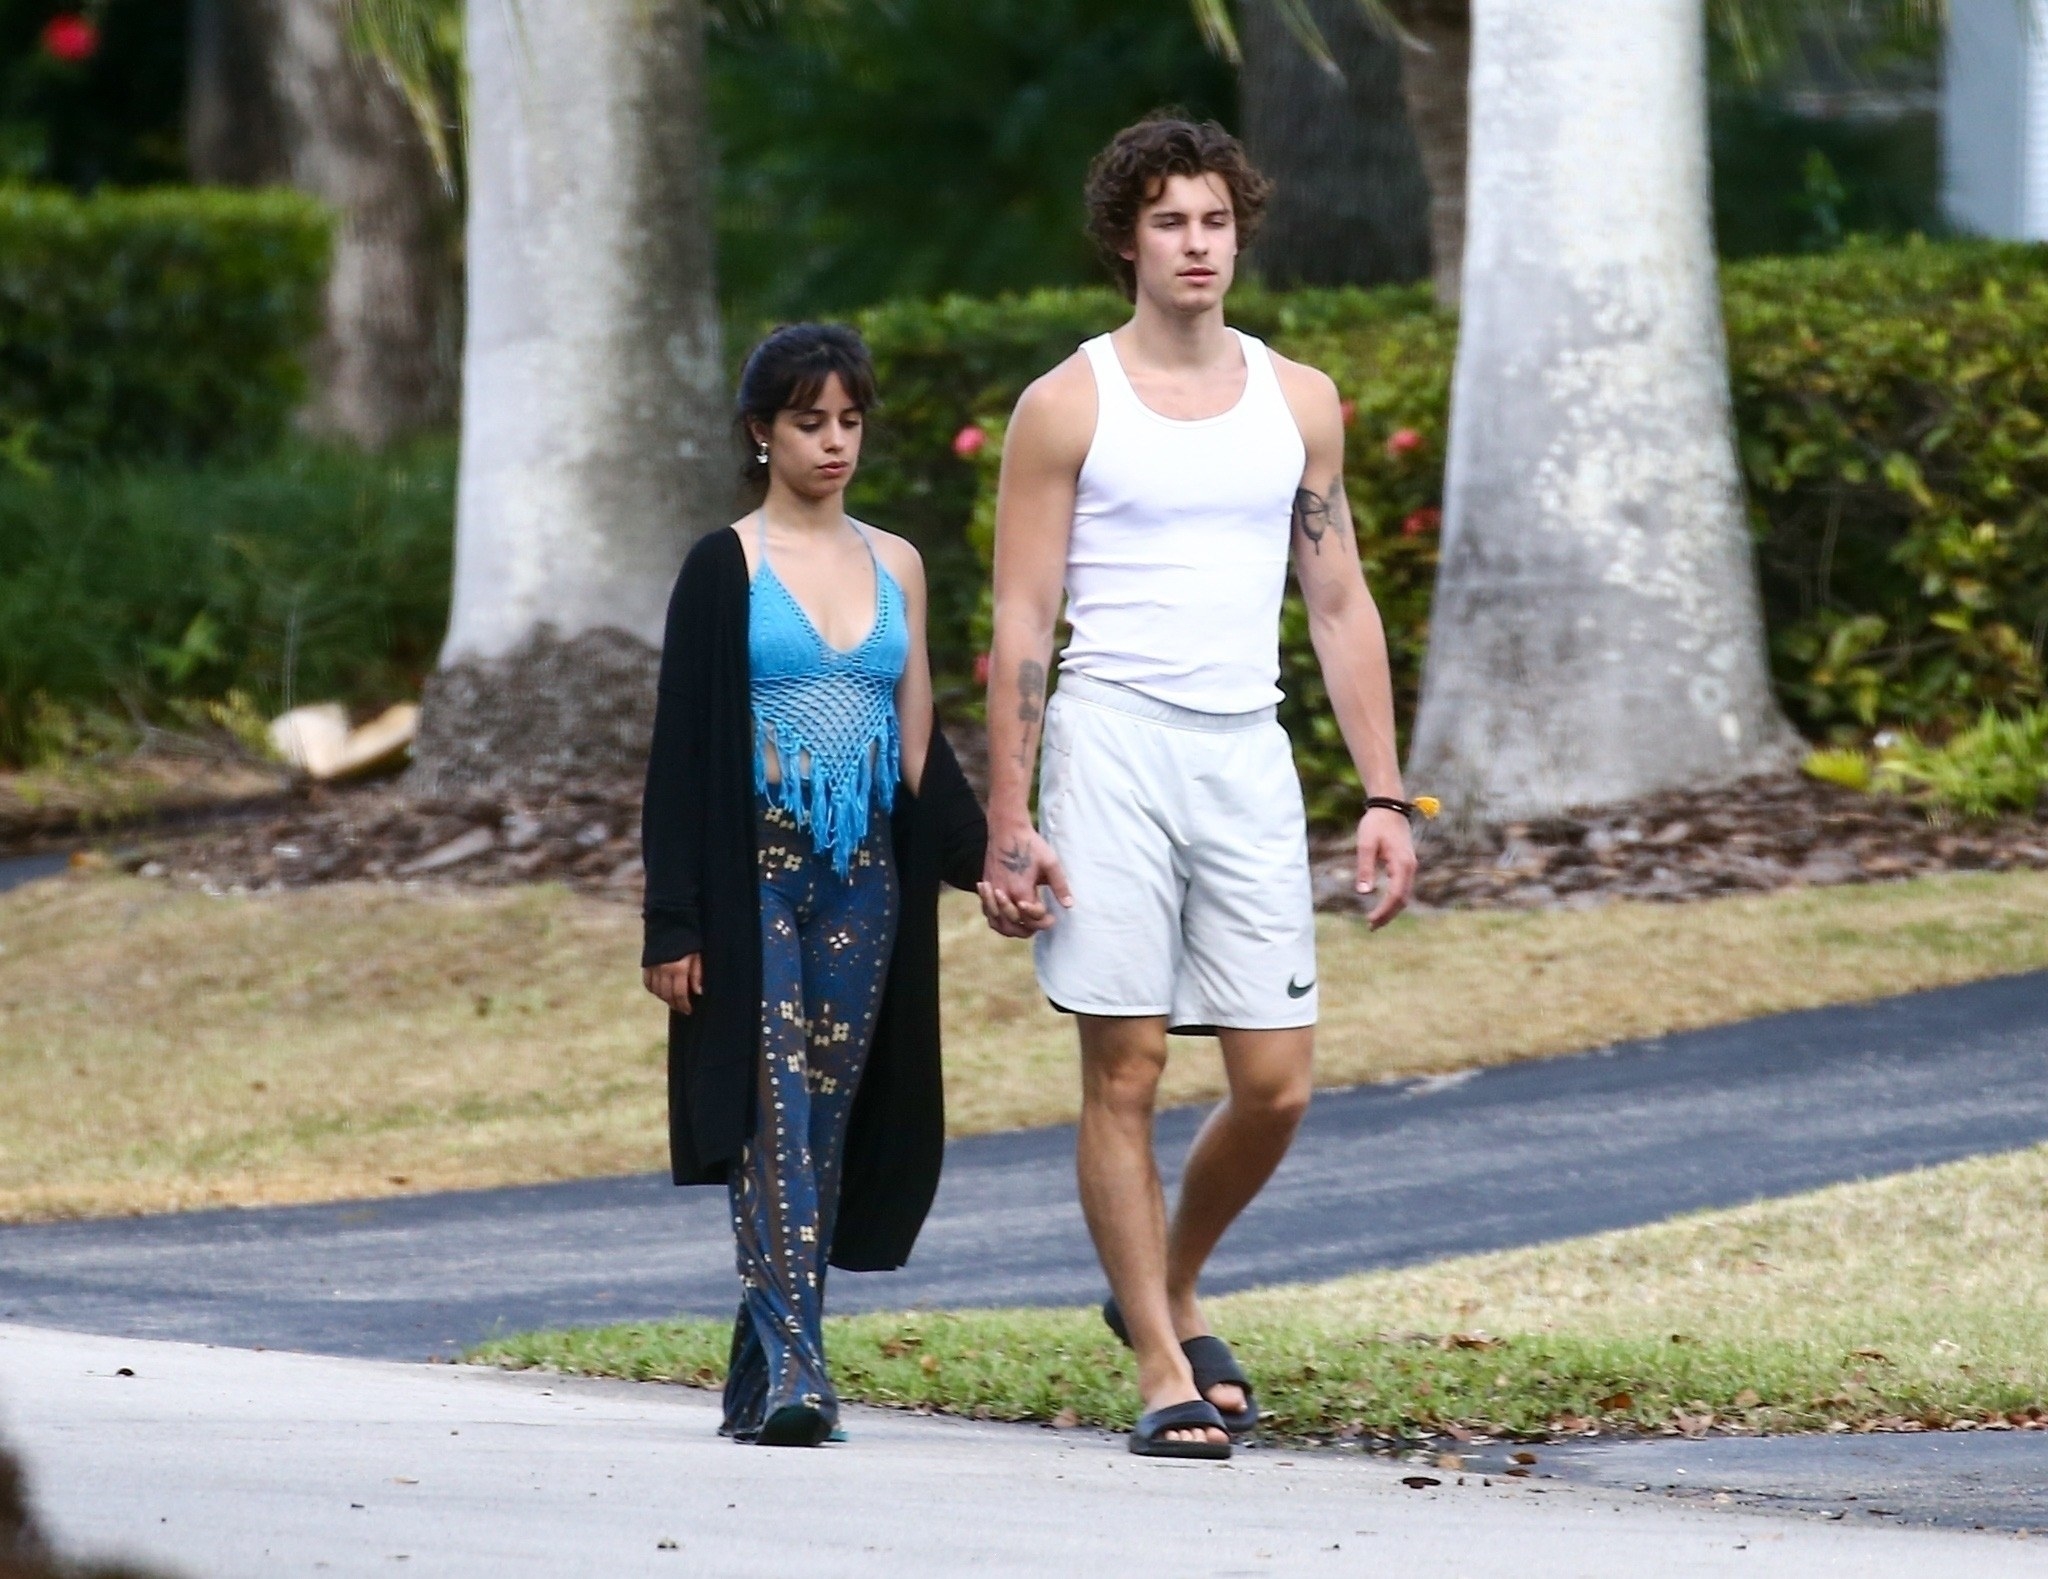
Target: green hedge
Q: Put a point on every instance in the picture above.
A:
(1890, 405)
(315, 573)
(158, 324)
(1893, 412)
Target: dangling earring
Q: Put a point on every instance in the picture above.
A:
(761, 454)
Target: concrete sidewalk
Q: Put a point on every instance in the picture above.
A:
(223, 1463)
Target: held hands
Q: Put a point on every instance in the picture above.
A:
(677, 982)
(1019, 864)
(1384, 844)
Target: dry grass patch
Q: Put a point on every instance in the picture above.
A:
(1909, 1302)
(159, 1048)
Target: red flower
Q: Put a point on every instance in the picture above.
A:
(1427, 519)
(1403, 441)
(71, 38)
(1348, 410)
(981, 668)
(967, 443)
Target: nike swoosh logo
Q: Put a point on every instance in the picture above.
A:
(1300, 992)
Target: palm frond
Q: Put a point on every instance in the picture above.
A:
(1219, 29)
(1762, 35)
(418, 45)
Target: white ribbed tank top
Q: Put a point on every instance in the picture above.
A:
(1178, 557)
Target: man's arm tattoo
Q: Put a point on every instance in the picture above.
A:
(1030, 691)
(1017, 858)
(1030, 708)
(1312, 514)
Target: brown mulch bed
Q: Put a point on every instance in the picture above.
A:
(1764, 835)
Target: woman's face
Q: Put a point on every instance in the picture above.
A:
(813, 450)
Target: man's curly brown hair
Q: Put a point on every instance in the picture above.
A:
(1133, 169)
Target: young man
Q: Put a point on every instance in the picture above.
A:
(1161, 478)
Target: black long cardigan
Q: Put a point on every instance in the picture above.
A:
(697, 834)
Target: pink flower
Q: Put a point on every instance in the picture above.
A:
(1403, 441)
(1427, 519)
(71, 38)
(981, 668)
(968, 442)
(1348, 410)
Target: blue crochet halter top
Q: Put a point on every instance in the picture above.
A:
(830, 714)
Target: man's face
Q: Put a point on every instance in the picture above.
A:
(1185, 245)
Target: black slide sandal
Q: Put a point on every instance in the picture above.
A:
(1145, 1439)
(794, 1425)
(1209, 1357)
(1212, 1362)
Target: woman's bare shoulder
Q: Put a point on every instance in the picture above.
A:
(898, 553)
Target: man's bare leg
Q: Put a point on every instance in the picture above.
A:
(1235, 1153)
(1121, 1061)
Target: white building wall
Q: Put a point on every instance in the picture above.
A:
(1994, 118)
(2034, 225)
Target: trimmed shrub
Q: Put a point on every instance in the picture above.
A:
(314, 574)
(1893, 411)
(1891, 407)
(154, 325)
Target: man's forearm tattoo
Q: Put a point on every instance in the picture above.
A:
(1312, 514)
(1030, 691)
(1030, 708)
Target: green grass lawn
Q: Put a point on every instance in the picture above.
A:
(1919, 1300)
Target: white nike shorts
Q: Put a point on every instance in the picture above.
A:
(1184, 841)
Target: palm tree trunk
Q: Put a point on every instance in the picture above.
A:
(594, 443)
(1350, 205)
(1596, 633)
(1434, 80)
(233, 135)
(385, 365)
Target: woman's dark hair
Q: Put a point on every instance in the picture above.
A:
(1133, 170)
(788, 370)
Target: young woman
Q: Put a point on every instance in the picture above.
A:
(802, 808)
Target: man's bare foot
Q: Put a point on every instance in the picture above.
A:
(1166, 1382)
(1182, 1395)
(1228, 1398)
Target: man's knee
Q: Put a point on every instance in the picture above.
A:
(1271, 1075)
(1121, 1067)
(1277, 1099)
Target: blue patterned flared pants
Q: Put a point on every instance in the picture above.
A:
(825, 947)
